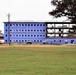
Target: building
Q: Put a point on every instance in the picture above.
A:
(1, 37)
(40, 32)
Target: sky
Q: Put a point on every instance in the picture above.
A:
(26, 10)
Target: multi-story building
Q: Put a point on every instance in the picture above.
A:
(40, 32)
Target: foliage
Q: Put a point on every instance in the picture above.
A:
(64, 8)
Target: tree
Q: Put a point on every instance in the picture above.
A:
(64, 8)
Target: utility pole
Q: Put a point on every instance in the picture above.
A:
(8, 29)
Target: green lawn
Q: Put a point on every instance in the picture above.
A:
(38, 60)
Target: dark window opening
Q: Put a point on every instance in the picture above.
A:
(6, 40)
(40, 40)
(34, 40)
(6, 29)
(6, 35)
(6, 24)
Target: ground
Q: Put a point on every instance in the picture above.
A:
(38, 60)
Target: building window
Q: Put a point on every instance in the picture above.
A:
(28, 30)
(34, 24)
(37, 35)
(22, 24)
(34, 35)
(31, 24)
(16, 24)
(16, 35)
(37, 24)
(22, 35)
(6, 30)
(16, 40)
(40, 40)
(6, 35)
(44, 30)
(22, 30)
(28, 24)
(34, 30)
(37, 30)
(37, 40)
(28, 35)
(31, 30)
(6, 24)
(10, 24)
(40, 35)
(31, 35)
(40, 24)
(40, 30)
(34, 40)
(6, 40)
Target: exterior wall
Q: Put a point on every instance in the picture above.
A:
(61, 40)
(22, 32)
(35, 32)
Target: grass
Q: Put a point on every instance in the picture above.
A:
(38, 60)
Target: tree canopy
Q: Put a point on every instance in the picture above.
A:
(64, 8)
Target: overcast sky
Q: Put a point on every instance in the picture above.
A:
(25, 10)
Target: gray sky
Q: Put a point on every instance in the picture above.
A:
(25, 10)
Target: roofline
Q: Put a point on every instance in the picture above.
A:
(45, 22)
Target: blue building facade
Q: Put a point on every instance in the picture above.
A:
(23, 32)
(39, 32)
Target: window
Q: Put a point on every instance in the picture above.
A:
(34, 40)
(6, 35)
(31, 24)
(37, 40)
(34, 35)
(16, 30)
(22, 24)
(34, 30)
(40, 30)
(28, 35)
(40, 24)
(37, 35)
(44, 30)
(31, 30)
(37, 30)
(31, 35)
(10, 24)
(28, 30)
(6, 24)
(40, 40)
(28, 24)
(40, 35)
(25, 30)
(6, 40)
(43, 35)
(37, 24)
(10, 35)
(22, 30)
(34, 24)
(16, 40)
(6, 29)
(22, 35)
(16, 24)
(16, 35)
